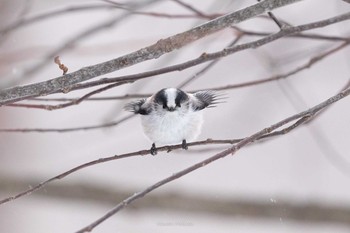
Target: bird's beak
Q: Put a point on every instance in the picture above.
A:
(171, 109)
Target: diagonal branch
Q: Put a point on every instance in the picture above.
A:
(154, 51)
(212, 56)
(232, 150)
(115, 157)
(307, 65)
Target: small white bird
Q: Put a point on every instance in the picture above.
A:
(172, 116)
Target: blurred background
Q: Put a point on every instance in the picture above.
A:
(295, 182)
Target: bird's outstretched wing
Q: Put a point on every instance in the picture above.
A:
(204, 99)
(138, 107)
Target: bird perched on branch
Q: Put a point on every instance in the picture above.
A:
(172, 116)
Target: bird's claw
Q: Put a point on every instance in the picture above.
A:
(153, 149)
(184, 145)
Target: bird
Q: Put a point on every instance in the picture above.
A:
(173, 116)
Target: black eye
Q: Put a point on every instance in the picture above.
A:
(180, 98)
(164, 106)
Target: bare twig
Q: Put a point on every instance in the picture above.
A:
(64, 130)
(307, 65)
(115, 157)
(30, 20)
(191, 8)
(156, 50)
(232, 150)
(163, 15)
(300, 35)
(72, 102)
(207, 67)
(126, 96)
(73, 9)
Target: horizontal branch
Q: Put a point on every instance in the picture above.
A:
(73, 9)
(261, 209)
(65, 130)
(30, 20)
(302, 36)
(72, 102)
(163, 46)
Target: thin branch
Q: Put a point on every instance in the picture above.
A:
(191, 8)
(30, 20)
(71, 103)
(207, 67)
(65, 130)
(115, 157)
(154, 51)
(232, 150)
(62, 99)
(307, 65)
(164, 15)
(68, 45)
(73, 9)
(300, 35)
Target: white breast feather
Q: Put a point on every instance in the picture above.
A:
(172, 127)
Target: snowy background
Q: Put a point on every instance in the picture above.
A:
(307, 166)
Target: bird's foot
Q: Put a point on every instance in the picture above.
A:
(184, 145)
(153, 149)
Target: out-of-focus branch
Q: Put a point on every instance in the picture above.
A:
(65, 130)
(73, 9)
(191, 8)
(27, 74)
(64, 83)
(232, 150)
(307, 212)
(27, 21)
(207, 67)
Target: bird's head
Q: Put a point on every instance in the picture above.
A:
(171, 100)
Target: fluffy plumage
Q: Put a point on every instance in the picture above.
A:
(172, 115)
